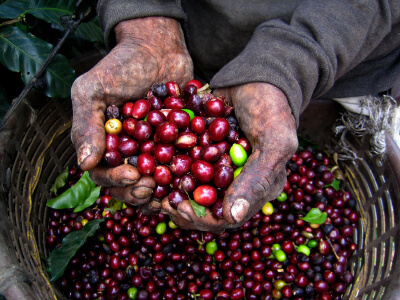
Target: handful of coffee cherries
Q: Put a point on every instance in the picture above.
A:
(189, 141)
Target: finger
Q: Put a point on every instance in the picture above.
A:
(265, 117)
(255, 185)
(151, 208)
(206, 223)
(87, 133)
(224, 92)
(136, 194)
(185, 217)
(178, 220)
(119, 176)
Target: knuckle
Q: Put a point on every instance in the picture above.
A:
(76, 87)
(260, 186)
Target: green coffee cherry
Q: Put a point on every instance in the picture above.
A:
(132, 292)
(190, 113)
(161, 228)
(238, 155)
(282, 197)
(303, 249)
(211, 247)
(237, 172)
(280, 255)
(312, 244)
(172, 224)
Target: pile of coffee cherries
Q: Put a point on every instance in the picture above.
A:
(274, 255)
(188, 140)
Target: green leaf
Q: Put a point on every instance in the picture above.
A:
(75, 195)
(25, 53)
(50, 11)
(59, 258)
(315, 216)
(60, 181)
(94, 195)
(114, 205)
(335, 184)
(12, 9)
(199, 210)
(46, 10)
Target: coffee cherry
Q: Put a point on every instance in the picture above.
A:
(164, 152)
(176, 197)
(128, 148)
(205, 195)
(113, 126)
(112, 158)
(162, 175)
(197, 125)
(146, 164)
(187, 183)
(155, 118)
(113, 112)
(140, 109)
(218, 129)
(202, 171)
(215, 107)
(173, 89)
(211, 247)
(238, 155)
(223, 176)
(185, 140)
(180, 164)
(143, 131)
(167, 132)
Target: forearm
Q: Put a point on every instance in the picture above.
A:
(305, 57)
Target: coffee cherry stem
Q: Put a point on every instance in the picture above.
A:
(203, 90)
(333, 248)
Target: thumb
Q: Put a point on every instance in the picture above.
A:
(257, 183)
(87, 133)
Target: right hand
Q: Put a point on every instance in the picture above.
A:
(149, 50)
(266, 119)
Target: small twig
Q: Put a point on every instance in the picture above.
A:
(9, 22)
(333, 249)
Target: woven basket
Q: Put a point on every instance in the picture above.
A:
(35, 148)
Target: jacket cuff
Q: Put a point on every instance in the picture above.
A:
(111, 12)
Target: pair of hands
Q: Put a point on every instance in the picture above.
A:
(152, 50)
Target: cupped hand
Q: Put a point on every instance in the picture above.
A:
(265, 117)
(148, 50)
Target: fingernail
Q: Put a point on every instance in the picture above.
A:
(84, 151)
(141, 192)
(155, 205)
(128, 181)
(239, 209)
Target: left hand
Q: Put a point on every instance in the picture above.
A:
(148, 50)
(266, 119)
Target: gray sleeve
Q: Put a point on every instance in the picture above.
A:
(111, 12)
(323, 41)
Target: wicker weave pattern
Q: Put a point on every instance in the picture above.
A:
(44, 149)
(40, 156)
(376, 263)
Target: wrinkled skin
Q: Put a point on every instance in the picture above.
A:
(266, 119)
(153, 50)
(148, 50)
